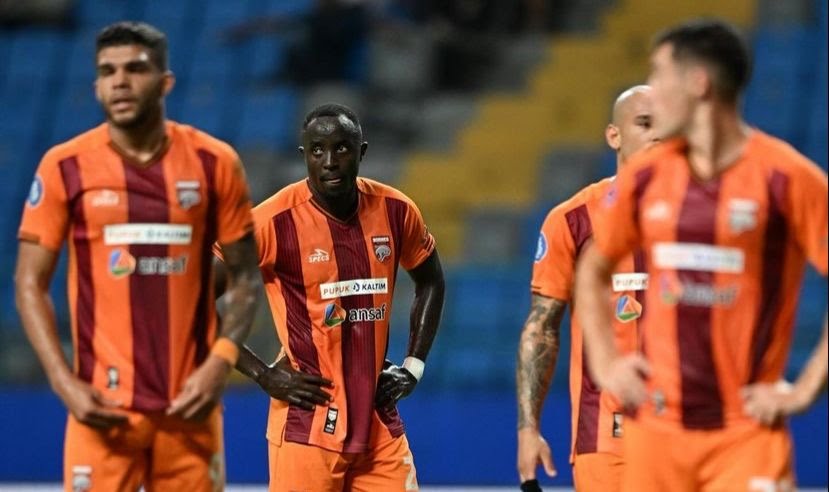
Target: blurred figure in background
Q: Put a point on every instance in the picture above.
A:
(597, 421)
(141, 200)
(726, 217)
(329, 249)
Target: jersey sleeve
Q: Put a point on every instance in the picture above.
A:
(555, 258)
(46, 214)
(234, 207)
(616, 228)
(808, 205)
(263, 232)
(418, 242)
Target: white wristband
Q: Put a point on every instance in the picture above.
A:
(414, 366)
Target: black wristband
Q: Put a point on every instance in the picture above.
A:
(530, 486)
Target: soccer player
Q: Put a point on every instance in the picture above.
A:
(596, 449)
(726, 217)
(140, 200)
(329, 249)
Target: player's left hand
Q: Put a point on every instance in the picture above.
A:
(767, 403)
(393, 384)
(202, 390)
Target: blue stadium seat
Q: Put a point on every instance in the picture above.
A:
(269, 119)
(34, 53)
(76, 111)
(98, 13)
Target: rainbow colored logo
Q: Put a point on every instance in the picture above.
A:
(121, 263)
(334, 315)
(628, 309)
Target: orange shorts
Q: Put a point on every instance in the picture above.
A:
(294, 467)
(162, 453)
(744, 458)
(598, 472)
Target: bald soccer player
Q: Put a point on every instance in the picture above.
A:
(727, 217)
(596, 449)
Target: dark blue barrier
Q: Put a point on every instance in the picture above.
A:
(456, 437)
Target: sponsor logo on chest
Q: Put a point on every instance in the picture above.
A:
(115, 234)
(105, 198)
(629, 281)
(698, 257)
(360, 286)
(319, 256)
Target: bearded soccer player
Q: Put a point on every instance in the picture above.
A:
(140, 201)
(727, 217)
(329, 249)
(596, 448)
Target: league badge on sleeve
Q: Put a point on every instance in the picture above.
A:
(541, 248)
(35, 192)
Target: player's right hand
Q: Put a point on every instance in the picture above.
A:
(283, 382)
(624, 377)
(533, 450)
(88, 405)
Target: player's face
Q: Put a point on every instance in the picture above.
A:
(636, 125)
(129, 86)
(670, 96)
(333, 151)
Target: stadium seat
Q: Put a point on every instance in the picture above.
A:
(268, 119)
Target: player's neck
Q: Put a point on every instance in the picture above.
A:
(341, 208)
(716, 139)
(140, 144)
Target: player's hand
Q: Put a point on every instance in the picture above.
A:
(624, 377)
(202, 390)
(89, 406)
(393, 384)
(767, 403)
(283, 382)
(533, 450)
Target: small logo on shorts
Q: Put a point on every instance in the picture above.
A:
(81, 478)
(382, 250)
(112, 378)
(330, 421)
(617, 424)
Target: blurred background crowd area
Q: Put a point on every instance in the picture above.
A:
(486, 112)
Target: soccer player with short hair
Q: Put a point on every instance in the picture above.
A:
(596, 448)
(140, 201)
(726, 216)
(329, 249)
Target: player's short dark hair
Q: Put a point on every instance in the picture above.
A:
(124, 33)
(335, 110)
(717, 44)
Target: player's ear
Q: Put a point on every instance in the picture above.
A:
(613, 137)
(169, 81)
(363, 148)
(97, 89)
(700, 81)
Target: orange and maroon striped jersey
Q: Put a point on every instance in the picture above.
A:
(140, 277)
(330, 284)
(568, 228)
(725, 259)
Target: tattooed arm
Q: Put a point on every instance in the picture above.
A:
(537, 355)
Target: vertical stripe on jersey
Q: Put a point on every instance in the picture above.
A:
(640, 263)
(640, 259)
(85, 300)
(774, 257)
(587, 428)
(297, 319)
(201, 318)
(149, 294)
(359, 372)
(701, 399)
(396, 212)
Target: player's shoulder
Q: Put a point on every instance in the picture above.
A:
(287, 198)
(777, 154)
(202, 140)
(584, 197)
(88, 141)
(662, 155)
(375, 189)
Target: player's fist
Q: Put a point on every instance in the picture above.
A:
(282, 382)
(393, 384)
(533, 450)
(88, 405)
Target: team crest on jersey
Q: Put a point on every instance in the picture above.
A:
(121, 263)
(742, 214)
(382, 250)
(81, 478)
(628, 309)
(35, 192)
(334, 315)
(541, 248)
(188, 193)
